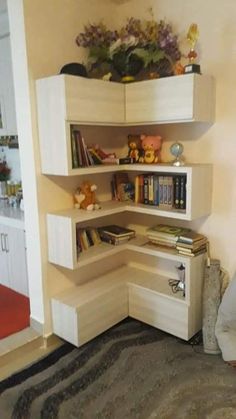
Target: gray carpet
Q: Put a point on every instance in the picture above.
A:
(131, 371)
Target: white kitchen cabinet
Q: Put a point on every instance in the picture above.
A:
(13, 268)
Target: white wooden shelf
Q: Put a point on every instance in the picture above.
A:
(139, 289)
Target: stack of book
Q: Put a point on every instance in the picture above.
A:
(192, 244)
(115, 234)
(165, 235)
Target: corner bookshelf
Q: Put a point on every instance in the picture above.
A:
(138, 285)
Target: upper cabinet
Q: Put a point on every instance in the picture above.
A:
(65, 100)
(76, 99)
(182, 98)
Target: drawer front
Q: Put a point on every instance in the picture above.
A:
(101, 313)
(158, 311)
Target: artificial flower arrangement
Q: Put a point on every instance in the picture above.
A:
(145, 49)
(4, 171)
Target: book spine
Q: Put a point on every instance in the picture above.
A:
(170, 191)
(145, 189)
(161, 201)
(182, 198)
(156, 190)
(79, 148)
(137, 197)
(150, 190)
(141, 189)
(177, 192)
(74, 154)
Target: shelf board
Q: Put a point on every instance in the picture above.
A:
(79, 295)
(116, 207)
(154, 210)
(98, 252)
(139, 244)
(153, 282)
(135, 167)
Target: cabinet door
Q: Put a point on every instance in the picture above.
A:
(17, 260)
(4, 274)
(182, 98)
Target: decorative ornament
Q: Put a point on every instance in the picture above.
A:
(192, 37)
(176, 150)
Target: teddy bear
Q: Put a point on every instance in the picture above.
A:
(151, 145)
(85, 197)
(134, 143)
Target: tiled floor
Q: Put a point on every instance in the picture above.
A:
(24, 348)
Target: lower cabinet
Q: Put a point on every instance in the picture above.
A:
(84, 311)
(89, 310)
(13, 267)
(159, 311)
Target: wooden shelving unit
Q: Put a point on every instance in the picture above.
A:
(139, 287)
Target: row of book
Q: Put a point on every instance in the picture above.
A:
(84, 156)
(185, 240)
(160, 190)
(91, 236)
(86, 237)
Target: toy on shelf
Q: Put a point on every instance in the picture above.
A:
(151, 146)
(134, 143)
(85, 197)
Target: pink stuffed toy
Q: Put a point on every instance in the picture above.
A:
(151, 146)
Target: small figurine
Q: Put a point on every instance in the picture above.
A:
(134, 143)
(178, 68)
(85, 197)
(151, 145)
(192, 37)
(107, 77)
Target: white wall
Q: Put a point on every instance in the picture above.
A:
(43, 39)
(215, 144)
(51, 28)
(7, 96)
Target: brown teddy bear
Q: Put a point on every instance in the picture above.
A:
(134, 143)
(85, 197)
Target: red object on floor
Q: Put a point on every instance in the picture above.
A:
(14, 312)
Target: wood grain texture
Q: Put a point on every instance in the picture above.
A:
(171, 99)
(84, 311)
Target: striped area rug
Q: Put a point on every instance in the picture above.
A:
(130, 371)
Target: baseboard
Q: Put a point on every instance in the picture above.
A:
(36, 325)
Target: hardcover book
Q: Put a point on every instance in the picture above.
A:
(117, 231)
(167, 230)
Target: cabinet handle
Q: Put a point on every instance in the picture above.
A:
(6, 243)
(3, 242)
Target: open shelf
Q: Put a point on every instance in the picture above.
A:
(139, 244)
